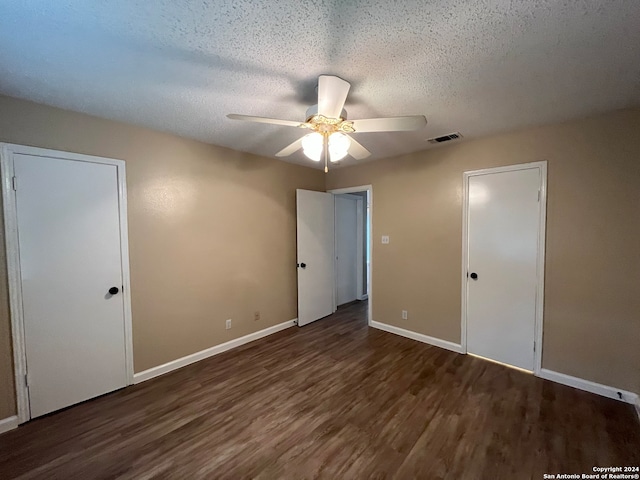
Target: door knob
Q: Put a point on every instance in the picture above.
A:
(474, 275)
(302, 265)
(113, 290)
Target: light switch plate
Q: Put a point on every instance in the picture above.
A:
(385, 239)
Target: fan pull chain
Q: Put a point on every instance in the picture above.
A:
(326, 153)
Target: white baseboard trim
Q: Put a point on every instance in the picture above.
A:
(209, 352)
(454, 347)
(637, 405)
(589, 386)
(363, 297)
(8, 423)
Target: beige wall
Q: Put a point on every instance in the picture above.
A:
(211, 233)
(210, 228)
(592, 293)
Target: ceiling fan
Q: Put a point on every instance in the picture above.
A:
(329, 125)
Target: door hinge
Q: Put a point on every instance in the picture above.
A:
(26, 380)
(534, 346)
(538, 195)
(14, 183)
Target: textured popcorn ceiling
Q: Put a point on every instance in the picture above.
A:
(477, 67)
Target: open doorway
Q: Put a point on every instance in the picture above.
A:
(353, 246)
(316, 251)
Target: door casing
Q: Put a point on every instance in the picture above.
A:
(542, 166)
(7, 151)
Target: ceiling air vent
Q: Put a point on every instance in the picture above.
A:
(445, 138)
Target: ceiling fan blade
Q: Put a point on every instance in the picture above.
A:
(332, 93)
(294, 147)
(273, 121)
(391, 124)
(357, 151)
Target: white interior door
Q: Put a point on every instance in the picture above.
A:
(346, 248)
(315, 235)
(503, 224)
(70, 256)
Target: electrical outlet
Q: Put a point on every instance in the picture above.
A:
(256, 315)
(228, 324)
(385, 239)
(405, 315)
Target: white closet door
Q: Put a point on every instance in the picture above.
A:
(70, 256)
(504, 212)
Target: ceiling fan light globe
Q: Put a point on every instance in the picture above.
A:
(339, 144)
(336, 157)
(313, 154)
(312, 141)
(339, 141)
(312, 146)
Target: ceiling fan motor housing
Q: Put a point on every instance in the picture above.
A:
(312, 111)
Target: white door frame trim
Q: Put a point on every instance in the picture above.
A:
(7, 151)
(369, 190)
(542, 166)
(361, 225)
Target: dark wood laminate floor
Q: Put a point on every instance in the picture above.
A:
(335, 400)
